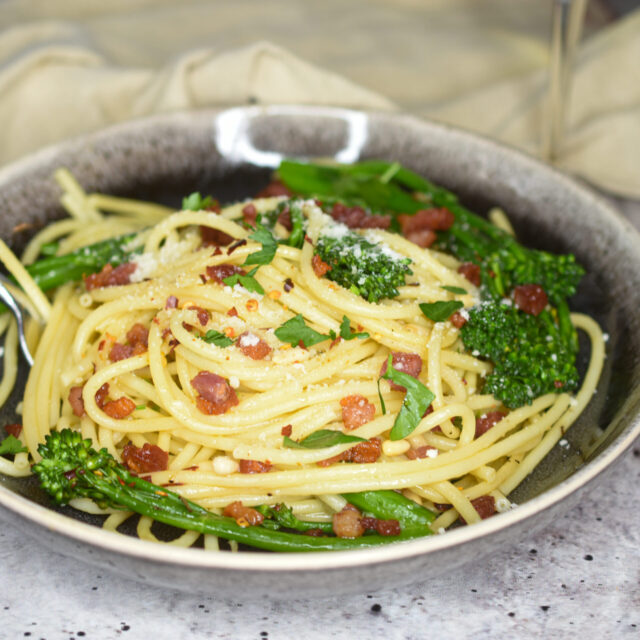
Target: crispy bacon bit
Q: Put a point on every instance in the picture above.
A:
(558, 384)
(110, 277)
(410, 363)
(285, 219)
(138, 334)
(233, 312)
(219, 272)
(471, 272)
(171, 303)
(348, 523)
(436, 219)
(273, 189)
(458, 320)
(287, 430)
(530, 298)
(488, 420)
(120, 408)
(147, 459)
(76, 401)
(484, 505)
(420, 452)
(254, 466)
(252, 346)
(362, 453)
(216, 394)
(315, 533)
(356, 411)
(244, 516)
(203, 316)
(13, 429)
(320, 267)
(358, 218)
(288, 285)
(383, 527)
(101, 395)
(236, 245)
(214, 237)
(249, 214)
(120, 352)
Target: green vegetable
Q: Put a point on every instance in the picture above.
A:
(365, 268)
(416, 401)
(532, 355)
(295, 331)
(195, 202)
(544, 360)
(441, 310)
(458, 290)
(389, 505)
(281, 516)
(269, 246)
(321, 439)
(217, 338)
(346, 333)
(11, 445)
(70, 468)
(54, 271)
(298, 224)
(247, 281)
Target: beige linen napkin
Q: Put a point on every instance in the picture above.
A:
(75, 66)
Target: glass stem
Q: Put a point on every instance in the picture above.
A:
(567, 20)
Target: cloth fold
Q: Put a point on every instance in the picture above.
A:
(58, 79)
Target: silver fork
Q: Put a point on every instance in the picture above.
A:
(12, 305)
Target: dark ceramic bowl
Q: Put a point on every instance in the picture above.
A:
(230, 154)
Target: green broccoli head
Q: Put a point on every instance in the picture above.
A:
(372, 271)
(67, 458)
(513, 265)
(532, 355)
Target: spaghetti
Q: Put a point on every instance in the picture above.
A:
(177, 358)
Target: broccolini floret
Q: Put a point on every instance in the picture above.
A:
(71, 468)
(532, 355)
(370, 270)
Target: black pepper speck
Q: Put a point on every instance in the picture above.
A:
(588, 557)
(376, 608)
(545, 607)
(511, 614)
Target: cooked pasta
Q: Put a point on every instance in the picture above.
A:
(172, 360)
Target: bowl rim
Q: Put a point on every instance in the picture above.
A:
(277, 562)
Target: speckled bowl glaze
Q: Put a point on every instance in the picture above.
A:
(230, 153)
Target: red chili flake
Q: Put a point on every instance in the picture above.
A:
(237, 244)
(254, 466)
(471, 272)
(233, 312)
(287, 430)
(145, 459)
(13, 429)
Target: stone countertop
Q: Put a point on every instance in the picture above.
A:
(579, 577)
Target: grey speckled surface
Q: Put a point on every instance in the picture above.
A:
(578, 578)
